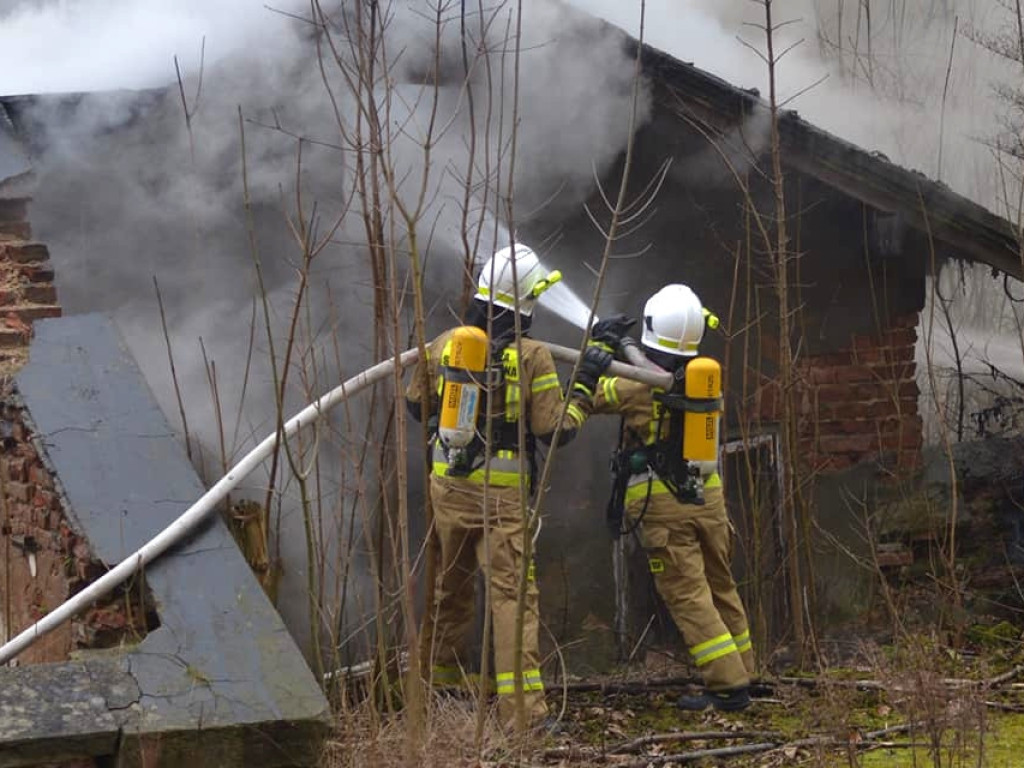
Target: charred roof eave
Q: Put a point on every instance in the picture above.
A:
(968, 230)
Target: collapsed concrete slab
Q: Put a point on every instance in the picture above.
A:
(219, 682)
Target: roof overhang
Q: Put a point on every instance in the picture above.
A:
(953, 224)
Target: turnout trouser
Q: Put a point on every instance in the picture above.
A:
(689, 550)
(463, 546)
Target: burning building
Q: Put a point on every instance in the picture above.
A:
(864, 235)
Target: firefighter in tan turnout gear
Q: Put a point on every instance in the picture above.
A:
(669, 492)
(469, 374)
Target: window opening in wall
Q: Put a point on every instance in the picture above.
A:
(752, 469)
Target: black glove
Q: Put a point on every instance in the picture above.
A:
(611, 330)
(596, 359)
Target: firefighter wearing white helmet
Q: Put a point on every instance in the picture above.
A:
(668, 490)
(471, 372)
(518, 286)
(674, 321)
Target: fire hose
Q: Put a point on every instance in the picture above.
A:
(195, 515)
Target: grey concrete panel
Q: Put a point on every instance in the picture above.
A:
(221, 658)
(68, 704)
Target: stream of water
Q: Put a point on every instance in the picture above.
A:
(561, 300)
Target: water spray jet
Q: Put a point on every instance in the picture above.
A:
(560, 299)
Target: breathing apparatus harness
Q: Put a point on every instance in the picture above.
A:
(463, 445)
(692, 433)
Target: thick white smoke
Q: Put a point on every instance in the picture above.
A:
(913, 81)
(125, 193)
(882, 91)
(96, 45)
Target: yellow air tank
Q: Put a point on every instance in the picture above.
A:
(700, 427)
(463, 382)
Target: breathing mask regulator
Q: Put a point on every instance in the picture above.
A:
(686, 418)
(472, 368)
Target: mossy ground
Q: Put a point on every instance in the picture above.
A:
(851, 716)
(830, 724)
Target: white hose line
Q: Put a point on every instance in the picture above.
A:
(192, 517)
(645, 375)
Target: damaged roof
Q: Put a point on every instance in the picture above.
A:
(968, 230)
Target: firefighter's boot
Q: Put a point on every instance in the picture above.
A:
(727, 701)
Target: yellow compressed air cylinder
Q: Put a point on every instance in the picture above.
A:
(700, 428)
(463, 381)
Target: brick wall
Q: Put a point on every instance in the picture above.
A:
(27, 292)
(858, 402)
(43, 560)
(35, 545)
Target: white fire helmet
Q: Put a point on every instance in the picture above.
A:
(532, 279)
(673, 321)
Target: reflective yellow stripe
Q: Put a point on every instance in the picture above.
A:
(532, 681)
(506, 682)
(513, 395)
(639, 491)
(504, 466)
(583, 388)
(531, 572)
(479, 476)
(576, 414)
(715, 648)
(510, 362)
(656, 409)
(512, 399)
(445, 675)
(655, 564)
(602, 345)
(544, 383)
(742, 641)
(508, 298)
(689, 346)
(446, 355)
(609, 390)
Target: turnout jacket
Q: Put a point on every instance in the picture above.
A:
(531, 390)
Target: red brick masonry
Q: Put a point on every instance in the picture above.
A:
(859, 402)
(42, 560)
(27, 292)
